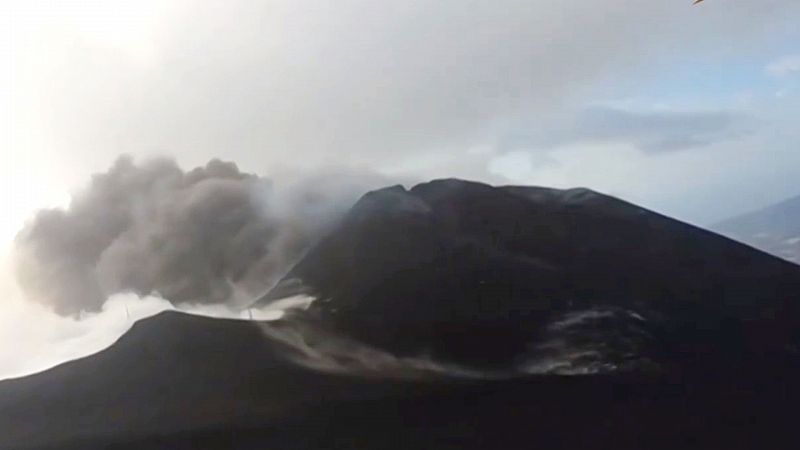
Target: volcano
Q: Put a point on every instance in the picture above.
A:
(483, 275)
(458, 315)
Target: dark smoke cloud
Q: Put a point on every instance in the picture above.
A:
(209, 235)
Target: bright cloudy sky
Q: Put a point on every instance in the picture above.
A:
(690, 110)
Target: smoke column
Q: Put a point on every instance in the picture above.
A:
(206, 236)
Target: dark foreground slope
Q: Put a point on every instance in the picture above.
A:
(170, 373)
(182, 382)
(774, 229)
(447, 317)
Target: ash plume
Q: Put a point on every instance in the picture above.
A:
(210, 235)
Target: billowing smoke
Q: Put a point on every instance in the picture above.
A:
(210, 235)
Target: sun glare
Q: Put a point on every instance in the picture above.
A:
(31, 30)
(127, 26)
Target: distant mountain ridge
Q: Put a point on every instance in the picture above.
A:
(774, 229)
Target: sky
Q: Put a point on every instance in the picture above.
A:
(688, 110)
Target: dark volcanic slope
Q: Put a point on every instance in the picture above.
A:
(443, 318)
(775, 229)
(480, 275)
(170, 373)
(179, 382)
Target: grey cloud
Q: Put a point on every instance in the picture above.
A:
(659, 131)
(651, 131)
(364, 82)
(783, 67)
(209, 235)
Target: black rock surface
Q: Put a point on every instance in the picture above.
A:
(480, 275)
